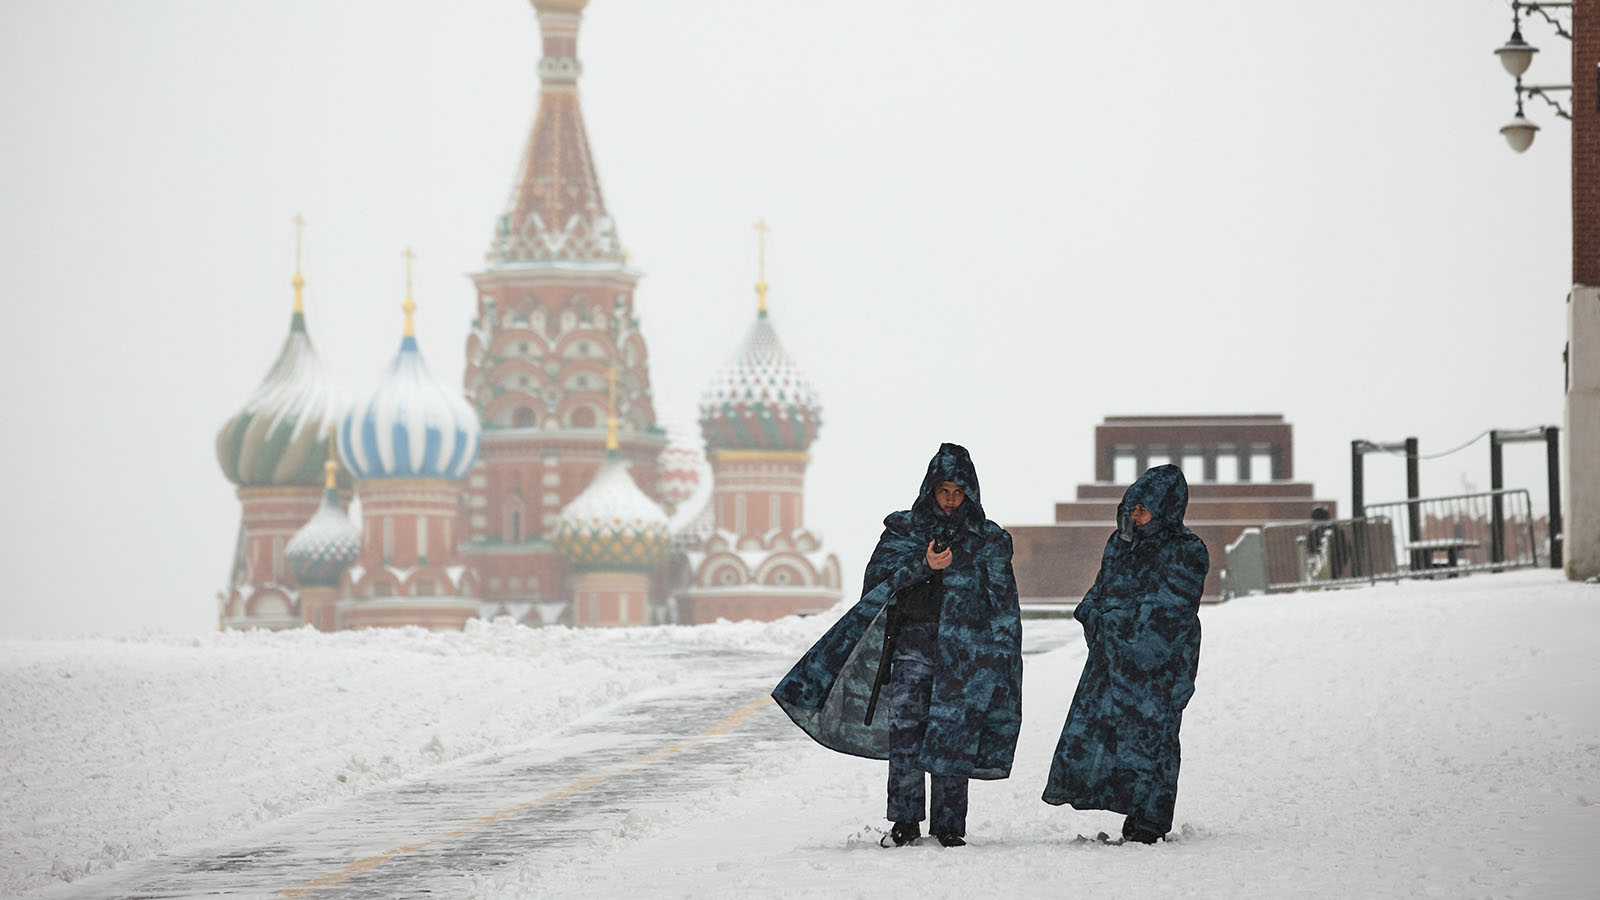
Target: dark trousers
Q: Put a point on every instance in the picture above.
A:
(910, 689)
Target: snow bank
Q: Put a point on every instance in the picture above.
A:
(119, 749)
(1421, 740)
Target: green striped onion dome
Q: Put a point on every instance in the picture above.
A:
(280, 437)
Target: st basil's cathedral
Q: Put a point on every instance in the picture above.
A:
(546, 490)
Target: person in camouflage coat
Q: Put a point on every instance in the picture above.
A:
(955, 698)
(1119, 747)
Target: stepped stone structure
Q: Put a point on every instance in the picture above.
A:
(1056, 563)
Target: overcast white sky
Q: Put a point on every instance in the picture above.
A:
(994, 223)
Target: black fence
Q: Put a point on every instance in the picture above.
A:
(1490, 531)
(1424, 538)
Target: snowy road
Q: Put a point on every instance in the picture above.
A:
(431, 835)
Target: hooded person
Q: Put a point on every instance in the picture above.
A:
(1119, 747)
(940, 584)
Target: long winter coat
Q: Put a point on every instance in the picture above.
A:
(1119, 748)
(976, 709)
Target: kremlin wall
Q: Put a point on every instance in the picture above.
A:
(545, 488)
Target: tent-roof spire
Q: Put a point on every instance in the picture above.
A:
(556, 212)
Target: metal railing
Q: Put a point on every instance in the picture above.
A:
(1488, 531)
(1428, 537)
(1328, 552)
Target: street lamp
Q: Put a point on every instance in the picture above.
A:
(1519, 131)
(1516, 55)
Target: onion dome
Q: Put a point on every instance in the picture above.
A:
(680, 469)
(760, 400)
(612, 526)
(280, 437)
(412, 426)
(324, 547)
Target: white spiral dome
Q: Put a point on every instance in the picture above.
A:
(411, 427)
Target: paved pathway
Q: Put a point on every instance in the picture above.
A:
(424, 836)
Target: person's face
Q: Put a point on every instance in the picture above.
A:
(1141, 516)
(949, 496)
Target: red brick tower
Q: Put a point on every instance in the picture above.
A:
(273, 449)
(410, 444)
(612, 535)
(759, 416)
(555, 313)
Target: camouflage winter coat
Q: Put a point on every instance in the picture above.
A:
(1119, 748)
(976, 710)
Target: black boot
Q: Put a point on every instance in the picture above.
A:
(1132, 832)
(949, 839)
(902, 834)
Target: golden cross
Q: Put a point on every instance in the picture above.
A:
(611, 417)
(761, 263)
(410, 306)
(331, 467)
(761, 248)
(299, 280)
(299, 228)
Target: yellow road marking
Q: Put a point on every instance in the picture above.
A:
(368, 863)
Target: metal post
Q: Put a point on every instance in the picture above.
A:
(1358, 509)
(1419, 558)
(1497, 514)
(1552, 443)
(1358, 505)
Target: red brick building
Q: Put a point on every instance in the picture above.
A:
(540, 493)
(1241, 475)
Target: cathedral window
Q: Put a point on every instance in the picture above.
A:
(582, 417)
(511, 526)
(522, 417)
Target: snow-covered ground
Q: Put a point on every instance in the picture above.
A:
(1421, 740)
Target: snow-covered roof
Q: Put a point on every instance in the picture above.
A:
(325, 546)
(612, 524)
(412, 426)
(760, 400)
(280, 436)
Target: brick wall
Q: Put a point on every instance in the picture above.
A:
(1585, 144)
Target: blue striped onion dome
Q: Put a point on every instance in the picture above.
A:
(280, 437)
(325, 546)
(760, 400)
(612, 526)
(411, 427)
